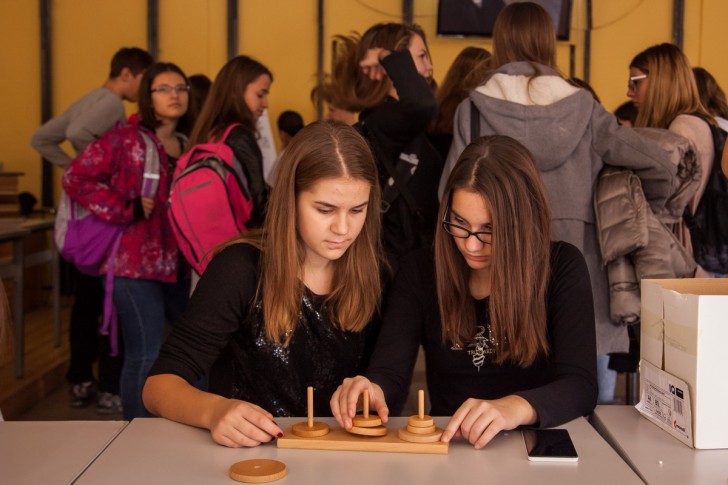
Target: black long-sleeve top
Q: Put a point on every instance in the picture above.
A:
(246, 150)
(222, 333)
(397, 129)
(560, 387)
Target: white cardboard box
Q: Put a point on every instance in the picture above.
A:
(684, 332)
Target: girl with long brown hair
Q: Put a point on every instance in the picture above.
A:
(283, 308)
(505, 316)
(571, 136)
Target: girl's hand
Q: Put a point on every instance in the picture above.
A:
(345, 399)
(147, 206)
(478, 421)
(236, 423)
(370, 65)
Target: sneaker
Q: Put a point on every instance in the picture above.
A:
(82, 394)
(108, 403)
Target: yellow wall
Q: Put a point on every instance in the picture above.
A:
(282, 35)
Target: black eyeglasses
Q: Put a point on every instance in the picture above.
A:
(166, 89)
(461, 233)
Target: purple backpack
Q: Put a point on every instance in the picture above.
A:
(87, 241)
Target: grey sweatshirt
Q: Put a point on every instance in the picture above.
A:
(571, 137)
(84, 121)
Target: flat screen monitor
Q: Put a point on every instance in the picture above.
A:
(475, 18)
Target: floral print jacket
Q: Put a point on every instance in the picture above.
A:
(106, 178)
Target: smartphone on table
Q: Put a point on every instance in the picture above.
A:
(549, 445)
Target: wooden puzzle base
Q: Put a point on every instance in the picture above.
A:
(339, 439)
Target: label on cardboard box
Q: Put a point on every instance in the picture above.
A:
(665, 401)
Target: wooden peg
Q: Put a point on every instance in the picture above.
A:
(310, 429)
(364, 420)
(421, 420)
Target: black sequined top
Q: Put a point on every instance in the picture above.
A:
(222, 333)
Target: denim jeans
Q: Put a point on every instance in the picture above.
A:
(606, 379)
(142, 307)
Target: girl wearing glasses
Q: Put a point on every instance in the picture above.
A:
(668, 98)
(107, 179)
(572, 137)
(504, 315)
(282, 309)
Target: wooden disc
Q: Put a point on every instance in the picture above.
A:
(304, 431)
(376, 431)
(419, 438)
(415, 430)
(257, 471)
(424, 422)
(366, 422)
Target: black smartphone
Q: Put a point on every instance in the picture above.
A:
(549, 445)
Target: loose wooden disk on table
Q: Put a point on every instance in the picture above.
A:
(421, 422)
(305, 431)
(257, 471)
(370, 421)
(419, 438)
(376, 431)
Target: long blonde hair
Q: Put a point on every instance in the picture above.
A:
(503, 172)
(671, 87)
(321, 150)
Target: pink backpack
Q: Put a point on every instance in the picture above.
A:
(209, 201)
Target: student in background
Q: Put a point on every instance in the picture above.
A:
(626, 114)
(387, 78)
(505, 315)
(199, 89)
(712, 96)
(83, 122)
(239, 95)
(283, 308)
(289, 123)
(571, 137)
(467, 71)
(107, 180)
(663, 88)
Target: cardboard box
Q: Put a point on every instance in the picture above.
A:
(684, 332)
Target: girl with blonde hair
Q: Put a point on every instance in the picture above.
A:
(284, 307)
(662, 86)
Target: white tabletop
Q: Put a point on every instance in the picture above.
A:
(155, 450)
(51, 452)
(654, 454)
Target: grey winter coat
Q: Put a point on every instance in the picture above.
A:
(571, 137)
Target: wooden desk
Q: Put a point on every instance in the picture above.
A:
(13, 231)
(155, 450)
(655, 455)
(51, 452)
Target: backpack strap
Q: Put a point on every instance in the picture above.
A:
(150, 181)
(400, 185)
(474, 122)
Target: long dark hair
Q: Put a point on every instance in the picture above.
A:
(225, 104)
(502, 171)
(146, 106)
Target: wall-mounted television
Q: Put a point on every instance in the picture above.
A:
(475, 18)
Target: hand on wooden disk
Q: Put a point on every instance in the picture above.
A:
(236, 423)
(478, 421)
(345, 399)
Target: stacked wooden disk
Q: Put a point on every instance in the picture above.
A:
(420, 428)
(366, 425)
(310, 429)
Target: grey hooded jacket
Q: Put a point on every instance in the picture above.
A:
(571, 137)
